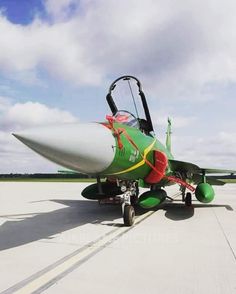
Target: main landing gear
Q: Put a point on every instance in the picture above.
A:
(186, 197)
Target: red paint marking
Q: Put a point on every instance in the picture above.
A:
(160, 162)
(115, 131)
(181, 182)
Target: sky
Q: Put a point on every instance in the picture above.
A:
(58, 58)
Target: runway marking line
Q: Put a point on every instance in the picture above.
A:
(48, 276)
(225, 236)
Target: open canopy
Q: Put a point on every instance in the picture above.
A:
(132, 108)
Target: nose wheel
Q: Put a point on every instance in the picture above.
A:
(128, 215)
(128, 211)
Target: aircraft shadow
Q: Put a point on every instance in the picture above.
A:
(178, 212)
(26, 228)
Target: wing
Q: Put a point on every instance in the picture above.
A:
(194, 173)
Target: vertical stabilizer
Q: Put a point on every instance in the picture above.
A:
(168, 135)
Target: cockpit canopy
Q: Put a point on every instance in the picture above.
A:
(133, 102)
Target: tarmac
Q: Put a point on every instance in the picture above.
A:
(54, 241)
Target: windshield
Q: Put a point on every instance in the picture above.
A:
(126, 118)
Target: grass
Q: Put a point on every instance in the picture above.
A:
(48, 180)
(229, 181)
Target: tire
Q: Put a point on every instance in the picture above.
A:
(188, 199)
(129, 215)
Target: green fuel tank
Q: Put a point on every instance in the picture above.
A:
(151, 199)
(109, 190)
(204, 193)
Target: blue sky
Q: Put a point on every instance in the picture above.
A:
(23, 11)
(58, 58)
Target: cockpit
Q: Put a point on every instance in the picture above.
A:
(142, 119)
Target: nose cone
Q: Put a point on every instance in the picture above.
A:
(87, 148)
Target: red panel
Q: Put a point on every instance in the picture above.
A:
(160, 163)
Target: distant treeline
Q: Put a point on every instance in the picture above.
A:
(71, 176)
(46, 176)
(224, 177)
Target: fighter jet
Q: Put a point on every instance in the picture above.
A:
(123, 150)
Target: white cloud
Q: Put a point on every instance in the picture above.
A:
(60, 9)
(177, 48)
(15, 157)
(216, 150)
(32, 114)
(176, 120)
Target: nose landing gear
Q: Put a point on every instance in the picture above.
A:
(128, 215)
(129, 199)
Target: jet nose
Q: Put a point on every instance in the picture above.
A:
(87, 148)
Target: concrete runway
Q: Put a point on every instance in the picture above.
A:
(53, 241)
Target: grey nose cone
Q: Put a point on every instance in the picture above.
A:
(87, 148)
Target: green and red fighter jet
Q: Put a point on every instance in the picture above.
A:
(124, 150)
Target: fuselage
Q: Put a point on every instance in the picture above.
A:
(94, 149)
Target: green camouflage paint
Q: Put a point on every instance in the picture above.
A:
(204, 193)
(128, 163)
(151, 199)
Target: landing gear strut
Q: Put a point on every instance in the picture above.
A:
(188, 199)
(129, 200)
